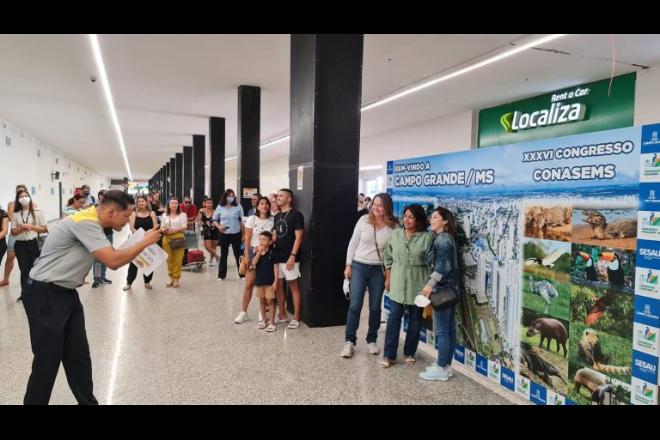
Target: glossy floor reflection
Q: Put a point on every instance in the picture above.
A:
(180, 346)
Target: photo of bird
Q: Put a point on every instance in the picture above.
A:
(599, 307)
(544, 289)
(547, 261)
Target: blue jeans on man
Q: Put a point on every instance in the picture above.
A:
(394, 328)
(365, 276)
(99, 269)
(445, 334)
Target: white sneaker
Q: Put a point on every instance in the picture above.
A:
(261, 325)
(271, 327)
(293, 324)
(126, 287)
(211, 263)
(347, 351)
(449, 370)
(241, 318)
(373, 348)
(281, 321)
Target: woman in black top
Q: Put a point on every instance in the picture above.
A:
(210, 234)
(4, 231)
(144, 218)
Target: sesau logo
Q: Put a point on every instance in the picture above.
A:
(646, 252)
(558, 113)
(645, 366)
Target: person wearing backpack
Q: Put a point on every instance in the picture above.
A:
(442, 260)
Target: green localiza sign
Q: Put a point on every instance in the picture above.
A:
(579, 109)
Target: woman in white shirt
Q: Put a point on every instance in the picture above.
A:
(364, 269)
(27, 223)
(256, 224)
(173, 224)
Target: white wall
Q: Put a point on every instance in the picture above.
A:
(647, 96)
(274, 174)
(27, 160)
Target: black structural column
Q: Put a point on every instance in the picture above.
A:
(249, 120)
(326, 88)
(172, 176)
(168, 182)
(187, 171)
(199, 175)
(217, 151)
(179, 176)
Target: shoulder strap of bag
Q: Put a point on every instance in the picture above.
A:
(378, 251)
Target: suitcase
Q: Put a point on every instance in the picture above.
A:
(195, 256)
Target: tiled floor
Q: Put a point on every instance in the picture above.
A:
(180, 346)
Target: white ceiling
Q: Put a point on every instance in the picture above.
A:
(165, 87)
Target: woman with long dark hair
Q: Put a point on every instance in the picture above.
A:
(259, 222)
(442, 261)
(27, 223)
(209, 233)
(405, 276)
(173, 224)
(227, 219)
(142, 218)
(364, 269)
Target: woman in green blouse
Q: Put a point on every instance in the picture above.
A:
(405, 277)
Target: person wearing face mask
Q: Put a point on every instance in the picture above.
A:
(89, 199)
(27, 224)
(52, 305)
(227, 219)
(11, 240)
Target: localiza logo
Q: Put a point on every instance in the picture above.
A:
(558, 113)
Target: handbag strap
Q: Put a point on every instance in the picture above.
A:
(378, 251)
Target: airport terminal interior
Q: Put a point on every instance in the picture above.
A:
(313, 219)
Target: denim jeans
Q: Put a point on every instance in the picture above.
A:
(99, 269)
(363, 276)
(394, 328)
(445, 334)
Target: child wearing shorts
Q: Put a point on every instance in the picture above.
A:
(266, 272)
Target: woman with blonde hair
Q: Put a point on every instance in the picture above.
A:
(364, 269)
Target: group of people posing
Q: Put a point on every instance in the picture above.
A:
(266, 241)
(406, 261)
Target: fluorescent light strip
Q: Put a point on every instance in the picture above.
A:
(267, 144)
(100, 65)
(477, 65)
(371, 167)
(454, 74)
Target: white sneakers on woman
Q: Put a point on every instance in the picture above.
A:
(347, 351)
(349, 348)
(241, 318)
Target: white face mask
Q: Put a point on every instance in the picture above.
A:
(24, 201)
(230, 200)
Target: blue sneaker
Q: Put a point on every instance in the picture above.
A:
(435, 373)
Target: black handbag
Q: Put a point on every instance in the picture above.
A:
(445, 297)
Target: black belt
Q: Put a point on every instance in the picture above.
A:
(52, 286)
